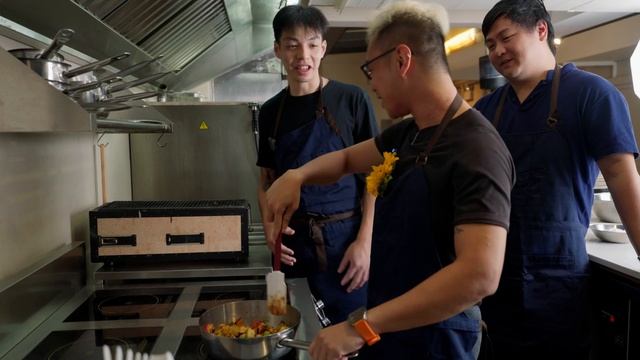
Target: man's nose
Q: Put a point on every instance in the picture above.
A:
(303, 52)
(499, 49)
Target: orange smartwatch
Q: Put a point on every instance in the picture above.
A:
(358, 319)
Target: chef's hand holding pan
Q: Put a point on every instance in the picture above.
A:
(335, 342)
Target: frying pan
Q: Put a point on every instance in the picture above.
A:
(272, 346)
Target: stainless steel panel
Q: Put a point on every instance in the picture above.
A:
(30, 299)
(29, 104)
(179, 30)
(195, 164)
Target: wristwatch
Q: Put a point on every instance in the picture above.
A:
(358, 319)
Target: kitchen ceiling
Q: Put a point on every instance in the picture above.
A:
(349, 17)
(207, 38)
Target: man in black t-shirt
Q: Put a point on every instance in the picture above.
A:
(330, 236)
(443, 204)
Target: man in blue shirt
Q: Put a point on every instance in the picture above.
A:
(561, 125)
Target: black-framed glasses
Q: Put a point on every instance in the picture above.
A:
(365, 67)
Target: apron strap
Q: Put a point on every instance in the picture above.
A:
(320, 110)
(315, 223)
(453, 108)
(553, 118)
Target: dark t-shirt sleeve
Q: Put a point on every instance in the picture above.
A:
(482, 181)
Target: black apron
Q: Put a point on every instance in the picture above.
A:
(328, 218)
(404, 253)
(541, 308)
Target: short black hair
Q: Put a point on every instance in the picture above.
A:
(525, 13)
(292, 16)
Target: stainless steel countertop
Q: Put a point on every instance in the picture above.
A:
(618, 257)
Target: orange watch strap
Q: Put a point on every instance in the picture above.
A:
(364, 329)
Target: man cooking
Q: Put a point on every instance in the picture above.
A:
(443, 200)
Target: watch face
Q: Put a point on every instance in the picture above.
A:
(357, 314)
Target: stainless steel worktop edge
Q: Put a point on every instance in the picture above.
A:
(621, 258)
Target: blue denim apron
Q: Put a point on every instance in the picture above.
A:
(328, 218)
(404, 253)
(541, 308)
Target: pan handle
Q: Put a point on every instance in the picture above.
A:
(95, 65)
(304, 345)
(62, 37)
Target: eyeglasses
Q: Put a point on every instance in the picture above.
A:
(365, 67)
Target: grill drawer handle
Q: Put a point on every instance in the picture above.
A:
(117, 240)
(185, 239)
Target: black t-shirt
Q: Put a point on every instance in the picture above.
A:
(469, 172)
(348, 105)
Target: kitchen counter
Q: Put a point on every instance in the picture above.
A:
(621, 258)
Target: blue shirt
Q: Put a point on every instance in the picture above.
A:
(593, 117)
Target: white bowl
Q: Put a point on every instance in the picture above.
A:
(604, 208)
(610, 232)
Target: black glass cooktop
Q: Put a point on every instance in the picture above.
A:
(211, 296)
(127, 304)
(87, 344)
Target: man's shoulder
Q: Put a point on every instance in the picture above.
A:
(577, 78)
(272, 103)
(344, 88)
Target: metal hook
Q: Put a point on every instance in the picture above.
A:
(158, 141)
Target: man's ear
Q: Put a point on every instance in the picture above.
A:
(276, 49)
(324, 48)
(403, 56)
(542, 30)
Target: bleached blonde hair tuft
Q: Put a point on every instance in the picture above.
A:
(412, 11)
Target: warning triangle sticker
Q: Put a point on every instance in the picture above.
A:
(203, 126)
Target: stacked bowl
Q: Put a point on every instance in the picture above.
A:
(610, 227)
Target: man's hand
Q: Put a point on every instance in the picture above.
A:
(335, 342)
(286, 256)
(282, 200)
(356, 261)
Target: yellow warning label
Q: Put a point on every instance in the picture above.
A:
(203, 126)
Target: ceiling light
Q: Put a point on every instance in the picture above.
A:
(557, 41)
(459, 41)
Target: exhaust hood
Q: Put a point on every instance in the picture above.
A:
(201, 39)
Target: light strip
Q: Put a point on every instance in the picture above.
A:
(461, 40)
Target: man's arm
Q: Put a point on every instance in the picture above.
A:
(619, 171)
(473, 275)
(283, 197)
(358, 255)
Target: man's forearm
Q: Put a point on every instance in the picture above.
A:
(329, 168)
(366, 225)
(623, 182)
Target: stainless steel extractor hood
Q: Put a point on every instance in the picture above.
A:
(200, 38)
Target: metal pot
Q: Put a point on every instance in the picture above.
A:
(272, 346)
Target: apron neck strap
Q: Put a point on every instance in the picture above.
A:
(453, 108)
(552, 119)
